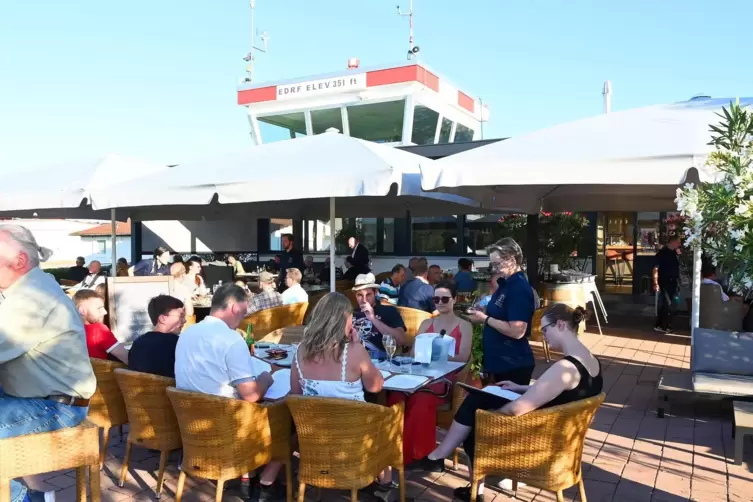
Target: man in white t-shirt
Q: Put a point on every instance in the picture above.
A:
(295, 292)
(212, 358)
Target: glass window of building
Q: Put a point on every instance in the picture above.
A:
(364, 229)
(424, 125)
(649, 228)
(321, 120)
(388, 237)
(278, 227)
(318, 236)
(378, 122)
(444, 132)
(463, 133)
(281, 127)
(483, 230)
(435, 235)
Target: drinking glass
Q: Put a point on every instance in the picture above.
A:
(389, 346)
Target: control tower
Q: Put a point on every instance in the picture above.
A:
(402, 104)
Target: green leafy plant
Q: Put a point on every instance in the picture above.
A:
(477, 351)
(720, 214)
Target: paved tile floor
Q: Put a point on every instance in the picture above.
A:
(630, 454)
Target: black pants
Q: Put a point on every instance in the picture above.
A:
(667, 291)
(466, 414)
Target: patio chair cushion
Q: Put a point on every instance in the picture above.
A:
(722, 352)
(726, 385)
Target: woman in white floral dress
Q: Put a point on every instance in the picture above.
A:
(330, 361)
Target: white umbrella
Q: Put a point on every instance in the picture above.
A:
(299, 178)
(64, 190)
(628, 160)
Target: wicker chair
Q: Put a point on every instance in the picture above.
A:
(267, 320)
(67, 448)
(313, 300)
(346, 444)
(379, 279)
(225, 438)
(152, 420)
(542, 448)
(343, 285)
(106, 406)
(537, 335)
(412, 319)
(446, 415)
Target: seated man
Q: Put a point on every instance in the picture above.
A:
(294, 292)
(390, 287)
(79, 272)
(94, 278)
(309, 274)
(418, 293)
(268, 297)
(211, 358)
(372, 319)
(154, 352)
(435, 275)
(708, 273)
(324, 274)
(100, 341)
(464, 279)
(46, 378)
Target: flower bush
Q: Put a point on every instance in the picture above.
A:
(720, 215)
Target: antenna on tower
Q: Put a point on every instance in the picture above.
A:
(412, 48)
(249, 58)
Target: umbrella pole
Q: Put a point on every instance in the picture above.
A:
(113, 243)
(332, 244)
(695, 314)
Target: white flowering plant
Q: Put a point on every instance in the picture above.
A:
(720, 215)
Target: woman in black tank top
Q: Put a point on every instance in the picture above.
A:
(577, 376)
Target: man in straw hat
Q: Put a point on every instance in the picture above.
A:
(372, 319)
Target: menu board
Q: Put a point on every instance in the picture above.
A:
(128, 299)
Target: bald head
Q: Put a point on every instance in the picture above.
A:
(94, 267)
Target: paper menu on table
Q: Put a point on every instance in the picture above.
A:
(503, 393)
(422, 347)
(280, 386)
(258, 366)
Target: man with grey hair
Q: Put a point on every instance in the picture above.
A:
(46, 378)
(212, 358)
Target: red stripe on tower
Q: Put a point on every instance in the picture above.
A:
(467, 102)
(257, 95)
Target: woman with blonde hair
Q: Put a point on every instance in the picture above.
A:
(330, 361)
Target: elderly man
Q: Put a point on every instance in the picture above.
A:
(46, 379)
(309, 274)
(94, 278)
(268, 298)
(372, 319)
(360, 256)
(211, 358)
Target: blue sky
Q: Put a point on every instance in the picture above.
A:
(158, 78)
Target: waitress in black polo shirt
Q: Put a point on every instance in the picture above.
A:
(507, 320)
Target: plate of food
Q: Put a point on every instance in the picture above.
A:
(276, 354)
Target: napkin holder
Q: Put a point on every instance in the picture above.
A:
(431, 347)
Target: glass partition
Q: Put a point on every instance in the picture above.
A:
(463, 133)
(378, 122)
(321, 120)
(281, 127)
(424, 125)
(435, 235)
(444, 132)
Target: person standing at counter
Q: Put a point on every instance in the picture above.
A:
(158, 264)
(507, 320)
(291, 258)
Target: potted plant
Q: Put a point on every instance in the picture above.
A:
(720, 215)
(477, 356)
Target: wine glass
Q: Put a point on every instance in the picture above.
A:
(390, 346)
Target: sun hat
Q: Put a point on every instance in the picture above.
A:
(365, 281)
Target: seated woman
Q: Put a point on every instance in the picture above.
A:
(331, 361)
(193, 279)
(420, 432)
(577, 376)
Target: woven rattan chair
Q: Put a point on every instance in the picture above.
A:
(542, 448)
(67, 448)
(106, 407)
(412, 319)
(225, 438)
(537, 335)
(267, 320)
(151, 417)
(446, 415)
(346, 444)
(313, 300)
(343, 285)
(379, 279)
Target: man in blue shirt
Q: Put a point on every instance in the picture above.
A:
(464, 279)
(507, 320)
(418, 293)
(389, 289)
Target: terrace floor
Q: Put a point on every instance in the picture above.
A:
(630, 454)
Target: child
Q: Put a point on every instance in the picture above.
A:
(100, 341)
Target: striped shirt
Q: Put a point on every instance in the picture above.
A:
(388, 291)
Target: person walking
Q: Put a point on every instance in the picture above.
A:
(666, 283)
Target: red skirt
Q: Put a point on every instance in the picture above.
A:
(420, 430)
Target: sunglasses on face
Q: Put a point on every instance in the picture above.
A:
(442, 299)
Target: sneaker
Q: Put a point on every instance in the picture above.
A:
(272, 493)
(35, 496)
(464, 493)
(428, 465)
(659, 329)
